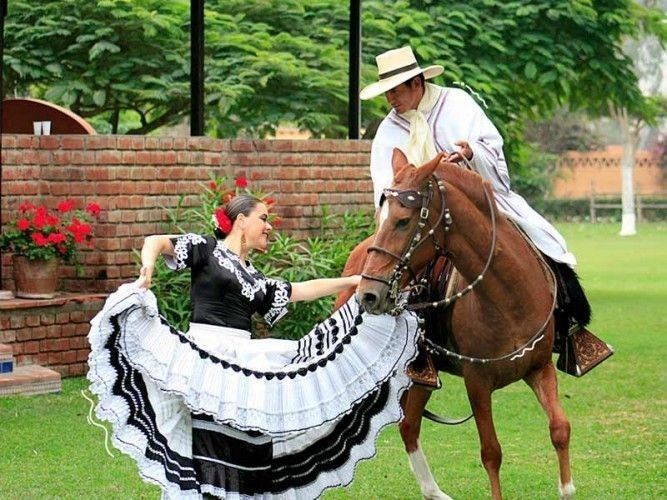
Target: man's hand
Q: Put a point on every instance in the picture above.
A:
(145, 276)
(464, 150)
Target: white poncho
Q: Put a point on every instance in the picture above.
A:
(451, 115)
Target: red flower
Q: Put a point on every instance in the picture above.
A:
(39, 239)
(52, 220)
(57, 238)
(23, 224)
(212, 186)
(269, 201)
(241, 182)
(40, 220)
(93, 209)
(65, 206)
(26, 207)
(222, 220)
(276, 222)
(79, 230)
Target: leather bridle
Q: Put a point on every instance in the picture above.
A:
(410, 198)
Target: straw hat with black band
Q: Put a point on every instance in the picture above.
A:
(395, 67)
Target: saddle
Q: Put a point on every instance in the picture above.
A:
(440, 277)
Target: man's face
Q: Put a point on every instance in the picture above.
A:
(405, 97)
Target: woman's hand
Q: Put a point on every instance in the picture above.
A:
(355, 279)
(145, 276)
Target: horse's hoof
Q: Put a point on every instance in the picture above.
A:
(566, 492)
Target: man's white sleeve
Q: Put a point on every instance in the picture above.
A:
(382, 173)
(487, 146)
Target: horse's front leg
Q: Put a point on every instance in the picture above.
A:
(479, 395)
(545, 385)
(413, 403)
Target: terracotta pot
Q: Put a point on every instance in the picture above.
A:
(35, 279)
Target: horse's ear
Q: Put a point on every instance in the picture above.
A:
(427, 169)
(398, 160)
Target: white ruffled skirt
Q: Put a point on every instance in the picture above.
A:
(213, 411)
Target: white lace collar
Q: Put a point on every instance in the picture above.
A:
(250, 279)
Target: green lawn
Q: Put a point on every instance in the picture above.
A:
(617, 412)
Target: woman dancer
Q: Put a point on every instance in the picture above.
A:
(211, 411)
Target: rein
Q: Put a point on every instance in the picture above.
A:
(409, 199)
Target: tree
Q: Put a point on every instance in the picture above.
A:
(126, 62)
(647, 53)
(102, 59)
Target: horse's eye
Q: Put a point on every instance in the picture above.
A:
(402, 223)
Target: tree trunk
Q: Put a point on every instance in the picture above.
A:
(628, 220)
(630, 142)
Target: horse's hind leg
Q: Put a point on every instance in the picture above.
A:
(545, 385)
(413, 402)
(491, 454)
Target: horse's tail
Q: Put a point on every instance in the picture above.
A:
(573, 305)
(577, 307)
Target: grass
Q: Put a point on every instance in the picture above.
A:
(617, 412)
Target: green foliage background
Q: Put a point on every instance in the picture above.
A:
(273, 61)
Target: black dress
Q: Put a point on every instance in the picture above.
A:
(212, 411)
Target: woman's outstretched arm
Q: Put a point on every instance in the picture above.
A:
(314, 289)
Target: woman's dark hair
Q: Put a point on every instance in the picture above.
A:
(240, 204)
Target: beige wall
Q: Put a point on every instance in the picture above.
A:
(581, 173)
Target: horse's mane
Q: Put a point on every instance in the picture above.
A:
(467, 181)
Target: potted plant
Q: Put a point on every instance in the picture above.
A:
(40, 238)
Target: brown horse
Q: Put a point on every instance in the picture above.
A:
(502, 329)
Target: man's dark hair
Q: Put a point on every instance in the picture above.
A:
(419, 77)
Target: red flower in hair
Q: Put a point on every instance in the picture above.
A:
(241, 182)
(222, 221)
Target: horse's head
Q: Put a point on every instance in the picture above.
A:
(406, 237)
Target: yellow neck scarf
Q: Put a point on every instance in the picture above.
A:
(421, 147)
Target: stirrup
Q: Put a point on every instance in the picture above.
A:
(582, 351)
(422, 372)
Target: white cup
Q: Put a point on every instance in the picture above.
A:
(37, 128)
(46, 128)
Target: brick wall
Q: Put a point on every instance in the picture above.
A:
(50, 332)
(132, 177)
